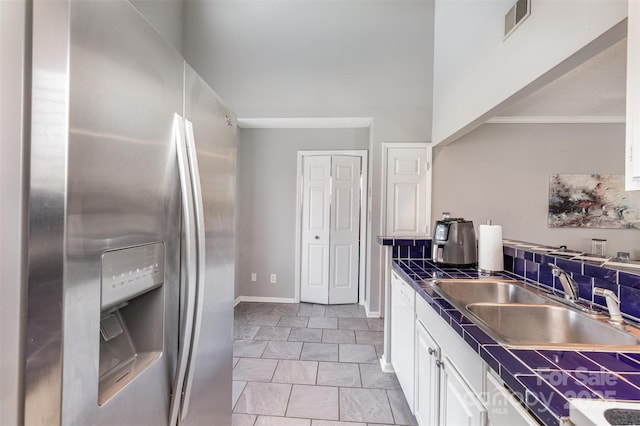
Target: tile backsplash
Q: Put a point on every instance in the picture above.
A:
(533, 266)
(408, 248)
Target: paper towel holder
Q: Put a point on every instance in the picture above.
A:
(490, 251)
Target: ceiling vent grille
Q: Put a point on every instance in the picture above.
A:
(515, 16)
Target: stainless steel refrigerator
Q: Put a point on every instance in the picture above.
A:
(131, 226)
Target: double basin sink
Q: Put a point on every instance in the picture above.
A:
(517, 315)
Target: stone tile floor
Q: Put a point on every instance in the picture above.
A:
(312, 365)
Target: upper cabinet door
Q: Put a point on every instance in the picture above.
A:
(632, 151)
(408, 187)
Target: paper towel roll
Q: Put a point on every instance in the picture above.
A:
(490, 254)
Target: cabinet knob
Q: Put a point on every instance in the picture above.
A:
(440, 364)
(431, 351)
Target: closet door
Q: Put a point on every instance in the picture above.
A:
(344, 242)
(331, 203)
(316, 229)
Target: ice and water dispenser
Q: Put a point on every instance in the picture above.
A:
(132, 314)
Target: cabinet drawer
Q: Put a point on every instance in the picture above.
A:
(502, 408)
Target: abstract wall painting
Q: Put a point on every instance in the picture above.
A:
(592, 201)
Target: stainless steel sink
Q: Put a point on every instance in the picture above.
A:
(541, 326)
(518, 315)
(461, 292)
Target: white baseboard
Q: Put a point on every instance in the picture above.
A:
(385, 365)
(263, 299)
(371, 314)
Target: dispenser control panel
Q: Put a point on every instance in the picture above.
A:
(131, 271)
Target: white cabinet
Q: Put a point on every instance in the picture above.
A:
(458, 403)
(407, 189)
(403, 334)
(632, 151)
(467, 362)
(444, 381)
(449, 375)
(427, 377)
(502, 407)
(453, 385)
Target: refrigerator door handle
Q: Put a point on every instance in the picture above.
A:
(186, 328)
(201, 262)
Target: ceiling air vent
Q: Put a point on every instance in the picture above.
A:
(514, 17)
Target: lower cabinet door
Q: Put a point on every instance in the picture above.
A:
(503, 408)
(459, 406)
(427, 377)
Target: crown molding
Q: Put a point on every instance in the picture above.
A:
(304, 122)
(558, 119)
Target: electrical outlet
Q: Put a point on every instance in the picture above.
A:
(254, 277)
(273, 279)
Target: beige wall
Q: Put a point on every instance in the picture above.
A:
(267, 182)
(501, 172)
(316, 58)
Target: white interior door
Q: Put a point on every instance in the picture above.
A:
(316, 229)
(344, 242)
(407, 212)
(331, 227)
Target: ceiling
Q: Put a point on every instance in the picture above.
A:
(595, 91)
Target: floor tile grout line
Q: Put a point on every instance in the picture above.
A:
(340, 316)
(286, 408)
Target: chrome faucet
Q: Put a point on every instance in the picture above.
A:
(613, 304)
(569, 285)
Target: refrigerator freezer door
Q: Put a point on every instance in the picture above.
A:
(211, 134)
(189, 253)
(104, 177)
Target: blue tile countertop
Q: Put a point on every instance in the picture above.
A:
(543, 380)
